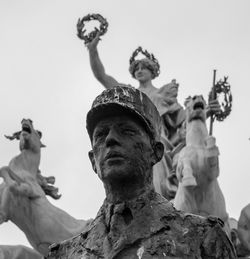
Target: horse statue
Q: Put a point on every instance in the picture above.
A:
(198, 167)
(23, 195)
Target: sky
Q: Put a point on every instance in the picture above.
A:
(45, 76)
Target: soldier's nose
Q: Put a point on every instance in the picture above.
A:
(112, 138)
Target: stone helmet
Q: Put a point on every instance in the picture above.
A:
(125, 100)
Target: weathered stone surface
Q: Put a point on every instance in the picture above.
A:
(165, 99)
(147, 227)
(135, 221)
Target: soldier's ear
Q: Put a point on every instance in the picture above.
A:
(92, 160)
(158, 151)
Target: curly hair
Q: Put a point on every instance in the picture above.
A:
(147, 63)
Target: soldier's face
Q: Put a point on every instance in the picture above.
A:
(121, 149)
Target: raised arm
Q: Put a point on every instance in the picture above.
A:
(97, 66)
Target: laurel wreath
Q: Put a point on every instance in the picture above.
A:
(147, 55)
(90, 36)
(222, 87)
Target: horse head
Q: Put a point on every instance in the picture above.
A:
(195, 108)
(29, 138)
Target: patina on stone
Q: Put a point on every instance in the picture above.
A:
(134, 221)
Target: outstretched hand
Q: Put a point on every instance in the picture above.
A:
(93, 44)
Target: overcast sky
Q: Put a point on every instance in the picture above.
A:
(46, 76)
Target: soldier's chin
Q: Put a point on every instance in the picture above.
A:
(113, 161)
(117, 173)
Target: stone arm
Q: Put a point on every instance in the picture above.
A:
(212, 155)
(217, 245)
(97, 66)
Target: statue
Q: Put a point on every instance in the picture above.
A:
(23, 195)
(144, 71)
(165, 99)
(198, 167)
(135, 221)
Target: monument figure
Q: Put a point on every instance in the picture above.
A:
(165, 99)
(135, 221)
(23, 195)
(144, 71)
(198, 167)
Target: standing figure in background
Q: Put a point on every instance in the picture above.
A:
(164, 98)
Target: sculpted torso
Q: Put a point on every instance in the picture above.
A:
(146, 228)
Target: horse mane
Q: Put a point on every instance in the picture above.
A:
(46, 184)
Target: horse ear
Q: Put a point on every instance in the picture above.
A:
(39, 133)
(15, 135)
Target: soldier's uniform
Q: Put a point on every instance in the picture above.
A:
(147, 227)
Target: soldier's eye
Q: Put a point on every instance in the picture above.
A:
(129, 131)
(100, 134)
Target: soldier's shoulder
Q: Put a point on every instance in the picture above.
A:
(207, 222)
(59, 250)
(209, 233)
(67, 247)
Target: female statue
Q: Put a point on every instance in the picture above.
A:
(165, 98)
